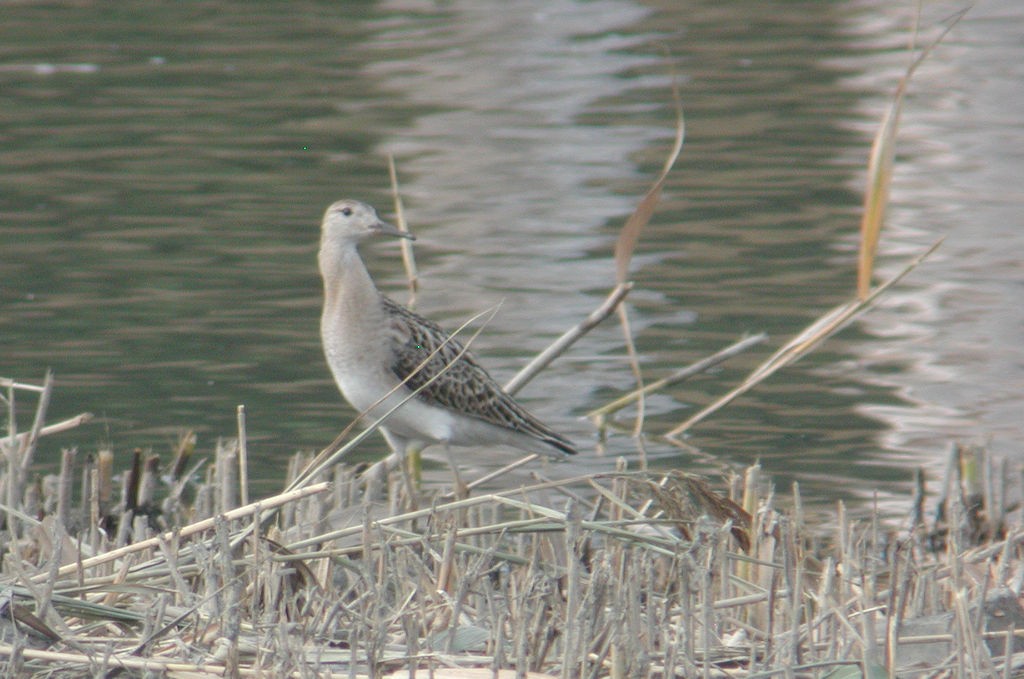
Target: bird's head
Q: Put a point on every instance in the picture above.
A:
(352, 221)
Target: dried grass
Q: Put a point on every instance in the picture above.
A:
(624, 574)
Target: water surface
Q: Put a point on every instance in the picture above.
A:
(165, 168)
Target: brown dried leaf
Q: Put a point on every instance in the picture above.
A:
(630, 233)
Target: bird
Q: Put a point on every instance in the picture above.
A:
(379, 352)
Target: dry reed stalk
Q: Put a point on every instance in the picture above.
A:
(243, 457)
(408, 255)
(599, 414)
(27, 446)
(634, 364)
(626, 245)
(569, 337)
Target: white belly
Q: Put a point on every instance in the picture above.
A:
(364, 381)
(357, 342)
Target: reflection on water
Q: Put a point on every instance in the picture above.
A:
(164, 174)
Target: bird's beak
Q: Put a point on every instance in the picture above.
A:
(392, 230)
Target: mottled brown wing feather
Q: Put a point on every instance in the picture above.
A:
(465, 387)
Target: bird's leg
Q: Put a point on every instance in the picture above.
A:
(408, 453)
(461, 490)
(412, 471)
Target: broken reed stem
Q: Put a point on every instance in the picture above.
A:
(243, 458)
(191, 529)
(151, 664)
(8, 383)
(58, 427)
(569, 337)
(598, 414)
(27, 446)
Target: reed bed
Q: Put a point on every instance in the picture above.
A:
(623, 574)
(166, 570)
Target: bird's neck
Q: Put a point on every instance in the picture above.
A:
(347, 283)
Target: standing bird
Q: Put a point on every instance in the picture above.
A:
(373, 345)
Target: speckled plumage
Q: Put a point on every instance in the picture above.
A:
(466, 387)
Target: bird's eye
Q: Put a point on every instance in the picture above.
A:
(347, 211)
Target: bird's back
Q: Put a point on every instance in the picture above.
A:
(425, 357)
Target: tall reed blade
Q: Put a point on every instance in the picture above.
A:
(883, 150)
(408, 256)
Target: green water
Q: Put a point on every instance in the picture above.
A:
(165, 166)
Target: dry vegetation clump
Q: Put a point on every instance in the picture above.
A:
(625, 574)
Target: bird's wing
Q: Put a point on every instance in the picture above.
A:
(465, 387)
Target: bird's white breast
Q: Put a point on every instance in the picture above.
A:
(359, 354)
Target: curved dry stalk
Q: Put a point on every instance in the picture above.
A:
(630, 233)
(824, 327)
(624, 247)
